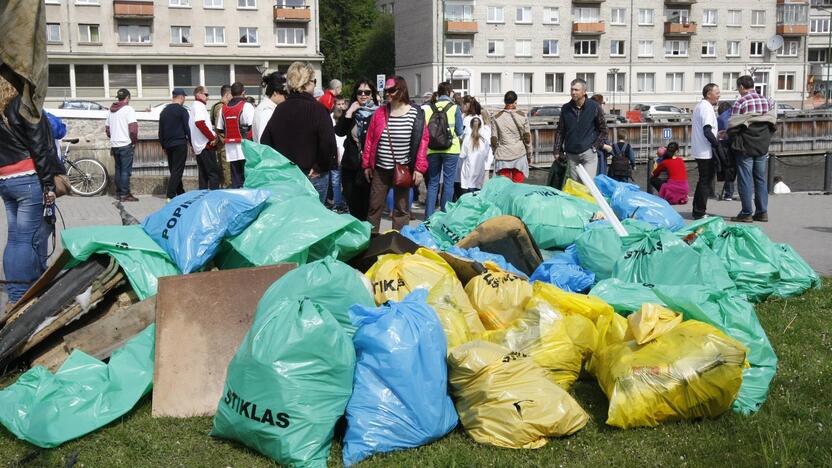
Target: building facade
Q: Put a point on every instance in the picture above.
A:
(820, 48)
(632, 51)
(96, 47)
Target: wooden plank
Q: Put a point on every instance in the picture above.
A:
(109, 332)
(52, 358)
(201, 319)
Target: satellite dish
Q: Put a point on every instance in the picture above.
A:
(774, 42)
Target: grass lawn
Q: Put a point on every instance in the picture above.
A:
(793, 428)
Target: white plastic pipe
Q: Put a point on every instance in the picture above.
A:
(602, 202)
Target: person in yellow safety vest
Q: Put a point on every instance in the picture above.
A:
(443, 161)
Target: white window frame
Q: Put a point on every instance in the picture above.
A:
(790, 48)
(622, 12)
(709, 49)
(245, 30)
(676, 48)
(729, 80)
(489, 78)
(499, 48)
(523, 76)
(646, 48)
(176, 32)
(758, 18)
(87, 2)
(643, 19)
(525, 50)
(821, 54)
(494, 17)
(819, 25)
(553, 77)
(524, 13)
(211, 4)
(584, 14)
(760, 46)
(551, 15)
(619, 82)
(213, 35)
(678, 15)
(179, 3)
(622, 46)
(458, 42)
(149, 33)
(793, 76)
(247, 5)
(466, 12)
(287, 31)
(700, 79)
(52, 28)
(550, 42)
(589, 77)
(588, 43)
(710, 17)
(643, 79)
(730, 45)
(87, 38)
(674, 81)
(732, 16)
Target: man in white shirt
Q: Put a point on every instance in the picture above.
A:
(123, 130)
(235, 120)
(703, 139)
(204, 141)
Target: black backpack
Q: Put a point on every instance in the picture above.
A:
(439, 129)
(620, 166)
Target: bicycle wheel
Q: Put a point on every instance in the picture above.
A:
(87, 177)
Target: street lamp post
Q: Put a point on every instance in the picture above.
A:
(452, 70)
(614, 72)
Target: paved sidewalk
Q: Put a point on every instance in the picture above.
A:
(802, 220)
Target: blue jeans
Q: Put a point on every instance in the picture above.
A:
(751, 178)
(24, 258)
(602, 163)
(123, 156)
(444, 165)
(728, 189)
(337, 195)
(321, 184)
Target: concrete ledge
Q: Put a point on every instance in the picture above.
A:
(153, 185)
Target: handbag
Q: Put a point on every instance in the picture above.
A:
(402, 176)
(62, 186)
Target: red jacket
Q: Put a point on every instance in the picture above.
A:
(328, 100)
(675, 168)
(418, 140)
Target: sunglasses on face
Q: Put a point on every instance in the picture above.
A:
(365, 92)
(391, 91)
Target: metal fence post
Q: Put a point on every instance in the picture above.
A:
(827, 173)
(770, 172)
(649, 171)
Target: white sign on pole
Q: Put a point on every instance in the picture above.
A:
(667, 133)
(380, 83)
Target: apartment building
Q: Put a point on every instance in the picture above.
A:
(820, 47)
(629, 50)
(96, 47)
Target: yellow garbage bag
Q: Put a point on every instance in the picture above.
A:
(394, 276)
(590, 307)
(503, 398)
(573, 187)
(541, 332)
(498, 296)
(691, 371)
(651, 322)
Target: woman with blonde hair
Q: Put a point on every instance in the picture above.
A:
(301, 129)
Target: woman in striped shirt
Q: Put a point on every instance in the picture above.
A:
(397, 135)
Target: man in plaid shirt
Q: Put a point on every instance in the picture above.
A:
(752, 122)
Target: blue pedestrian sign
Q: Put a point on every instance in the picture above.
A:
(667, 133)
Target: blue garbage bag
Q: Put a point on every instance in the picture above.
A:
(607, 185)
(420, 235)
(191, 226)
(564, 271)
(477, 255)
(630, 202)
(400, 391)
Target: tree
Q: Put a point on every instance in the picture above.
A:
(379, 52)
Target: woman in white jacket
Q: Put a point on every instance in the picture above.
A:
(476, 156)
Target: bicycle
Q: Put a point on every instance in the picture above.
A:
(87, 177)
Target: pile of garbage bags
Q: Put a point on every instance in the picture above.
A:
(515, 293)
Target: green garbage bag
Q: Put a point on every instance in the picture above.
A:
(658, 256)
(266, 168)
(289, 382)
(704, 229)
(85, 394)
(554, 218)
(459, 219)
(731, 313)
(625, 298)
(331, 284)
(796, 276)
(142, 259)
(599, 246)
(298, 230)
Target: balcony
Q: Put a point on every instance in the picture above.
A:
(132, 9)
(679, 2)
(460, 26)
(793, 29)
(589, 29)
(673, 28)
(292, 14)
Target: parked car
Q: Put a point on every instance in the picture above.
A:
(544, 114)
(784, 109)
(81, 104)
(157, 109)
(656, 112)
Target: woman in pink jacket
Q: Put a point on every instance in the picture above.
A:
(397, 135)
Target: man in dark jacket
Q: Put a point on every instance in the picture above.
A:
(175, 135)
(581, 131)
(750, 127)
